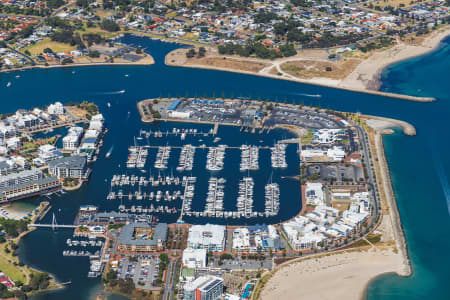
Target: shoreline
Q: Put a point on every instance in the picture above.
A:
(151, 62)
(368, 73)
(383, 176)
(362, 79)
(313, 82)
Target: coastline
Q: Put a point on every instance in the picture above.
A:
(149, 63)
(364, 79)
(368, 73)
(342, 267)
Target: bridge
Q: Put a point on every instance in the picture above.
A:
(53, 226)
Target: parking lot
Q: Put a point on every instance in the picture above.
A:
(144, 271)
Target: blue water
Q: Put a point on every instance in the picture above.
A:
(420, 167)
(419, 164)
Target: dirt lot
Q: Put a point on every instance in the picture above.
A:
(212, 59)
(308, 69)
(229, 63)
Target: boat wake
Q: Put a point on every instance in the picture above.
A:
(443, 179)
(309, 95)
(112, 93)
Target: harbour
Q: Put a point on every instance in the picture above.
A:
(97, 189)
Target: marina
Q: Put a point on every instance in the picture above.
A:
(220, 196)
(214, 199)
(279, 156)
(90, 246)
(249, 158)
(245, 199)
(215, 158)
(186, 161)
(272, 196)
(162, 157)
(137, 157)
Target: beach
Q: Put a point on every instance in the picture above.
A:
(366, 75)
(345, 274)
(364, 78)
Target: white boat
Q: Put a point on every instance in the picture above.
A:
(109, 104)
(108, 154)
(8, 84)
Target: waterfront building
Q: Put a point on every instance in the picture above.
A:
(72, 140)
(204, 288)
(47, 153)
(26, 183)
(326, 136)
(194, 258)
(56, 109)
(208, 237)
(13, 143)
(180, 114)
(70, 166)
(141, 238)
(7, 131)
(7, 166)
(257, 238)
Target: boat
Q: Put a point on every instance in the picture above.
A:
(108, 154)
(8, 84)
(109, 104)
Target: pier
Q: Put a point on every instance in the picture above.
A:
(216, 128)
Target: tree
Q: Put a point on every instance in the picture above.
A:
(126, 285)
(94, 54)
(191, 53)
(67, 60)
(109, 25)
(54, 3)
(201, 52)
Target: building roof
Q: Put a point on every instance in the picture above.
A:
(69, 162)
(207, 234)
(159, 234)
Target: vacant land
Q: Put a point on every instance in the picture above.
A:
(307, 69)
(56, 47)
(230, 63)
(213, 60)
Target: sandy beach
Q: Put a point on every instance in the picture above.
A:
(339, 276)
(366, 75)
(364, 78)
(345, 274)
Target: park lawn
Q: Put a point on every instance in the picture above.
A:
(307, 139)
(16, 273)
(57, 47)
(105, 34)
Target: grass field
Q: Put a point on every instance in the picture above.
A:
(47, 43)
(307, 139)
(105, 34)
(16, 273)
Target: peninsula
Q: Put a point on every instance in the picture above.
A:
(354, 70)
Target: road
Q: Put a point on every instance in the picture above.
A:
(170, 280)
